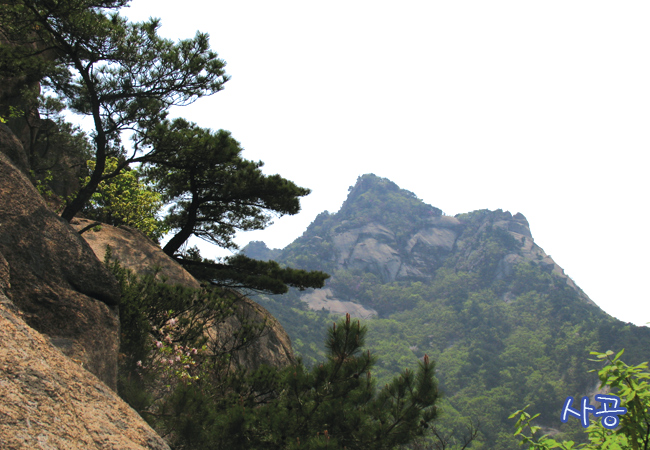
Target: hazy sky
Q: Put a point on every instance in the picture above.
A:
(533, 107)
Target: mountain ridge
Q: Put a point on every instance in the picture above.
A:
(397, 243)
(503, 321)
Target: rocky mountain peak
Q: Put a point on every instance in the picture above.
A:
(474, 290)
(259, 250)
(380, 199)
(390, 234)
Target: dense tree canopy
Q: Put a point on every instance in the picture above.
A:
(121, 74)
(194, 399)
(213, 189)
(126, 78)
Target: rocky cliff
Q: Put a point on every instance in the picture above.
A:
(388, 232)
(137, 252)
(58, 330)
(504, 323)
(47, 400)
(55, 279)
(59, 324)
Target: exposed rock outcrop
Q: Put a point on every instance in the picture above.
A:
(52, 283)
(522, 250)
(10, 145)
(376, 249)
(272, 347)
(55, 279)
(388, 232)
(137, 252)
(48, 402)
(324, 299)
(258, 250)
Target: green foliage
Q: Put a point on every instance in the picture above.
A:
(96, 63)
(214, 192)
(488, 351)
(126, 200)
(42, 185)
(379, 200)
(502, 333)
(58, 152)
(121, 74)
(163, 327)
(482, 245)
(200, 399)
(13, 113)
(631, 385)
(268, 276)
(356, 286)
(306, 328)
(250, 275)
(333, 405)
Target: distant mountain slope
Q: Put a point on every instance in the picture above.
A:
(505, 324)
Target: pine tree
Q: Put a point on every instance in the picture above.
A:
(121, 74)
(215, 192)
(334, 405)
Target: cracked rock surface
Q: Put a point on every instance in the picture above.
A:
(55, 279)
(47, 401)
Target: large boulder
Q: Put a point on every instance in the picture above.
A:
(133, 250)
(141, 255)
(47, 401)
(11, 146)
(55, 279)
(272, 347)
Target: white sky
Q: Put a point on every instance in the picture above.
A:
(533, 107)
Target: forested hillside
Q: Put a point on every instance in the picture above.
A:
(411, 292)
(204, 366)
(504, 324)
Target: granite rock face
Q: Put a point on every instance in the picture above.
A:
(55, 279)
(377, 249)
(13, 148)
(272, 347)
(141, 255)
(47, 401)
(135, 251)
(57, 318)
(387, 232)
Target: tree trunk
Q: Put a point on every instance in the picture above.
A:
(178, 240)
(187, 229)
(84, 194)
